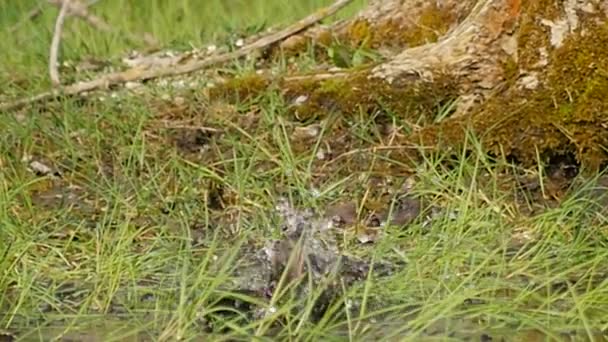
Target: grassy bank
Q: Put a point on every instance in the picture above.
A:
(127, 218)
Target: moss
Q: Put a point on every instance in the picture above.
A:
(240, 89)
(432, 23)
(511, 71)
(566, 114)
(356, 93)
(358, 32)
(531, 34)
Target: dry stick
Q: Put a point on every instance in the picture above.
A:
(53, 55)
(318, 76)
(138, 74)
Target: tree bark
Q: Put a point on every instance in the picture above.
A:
(528, 77)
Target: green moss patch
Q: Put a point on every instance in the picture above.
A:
(567, 113)
(432, 23)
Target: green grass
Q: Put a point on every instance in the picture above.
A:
(177, 25)
(138, 236)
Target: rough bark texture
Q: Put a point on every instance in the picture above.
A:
(472, 53)
(529, 78)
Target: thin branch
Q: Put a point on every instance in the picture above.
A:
(138, 74)
(53, 55)
(318, 76)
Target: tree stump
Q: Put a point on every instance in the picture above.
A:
(529, 79)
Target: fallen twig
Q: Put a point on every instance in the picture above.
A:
(318, 77)
(138, 74)
(53, 55)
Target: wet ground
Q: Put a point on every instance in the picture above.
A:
(309, 250)
(316, 251)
